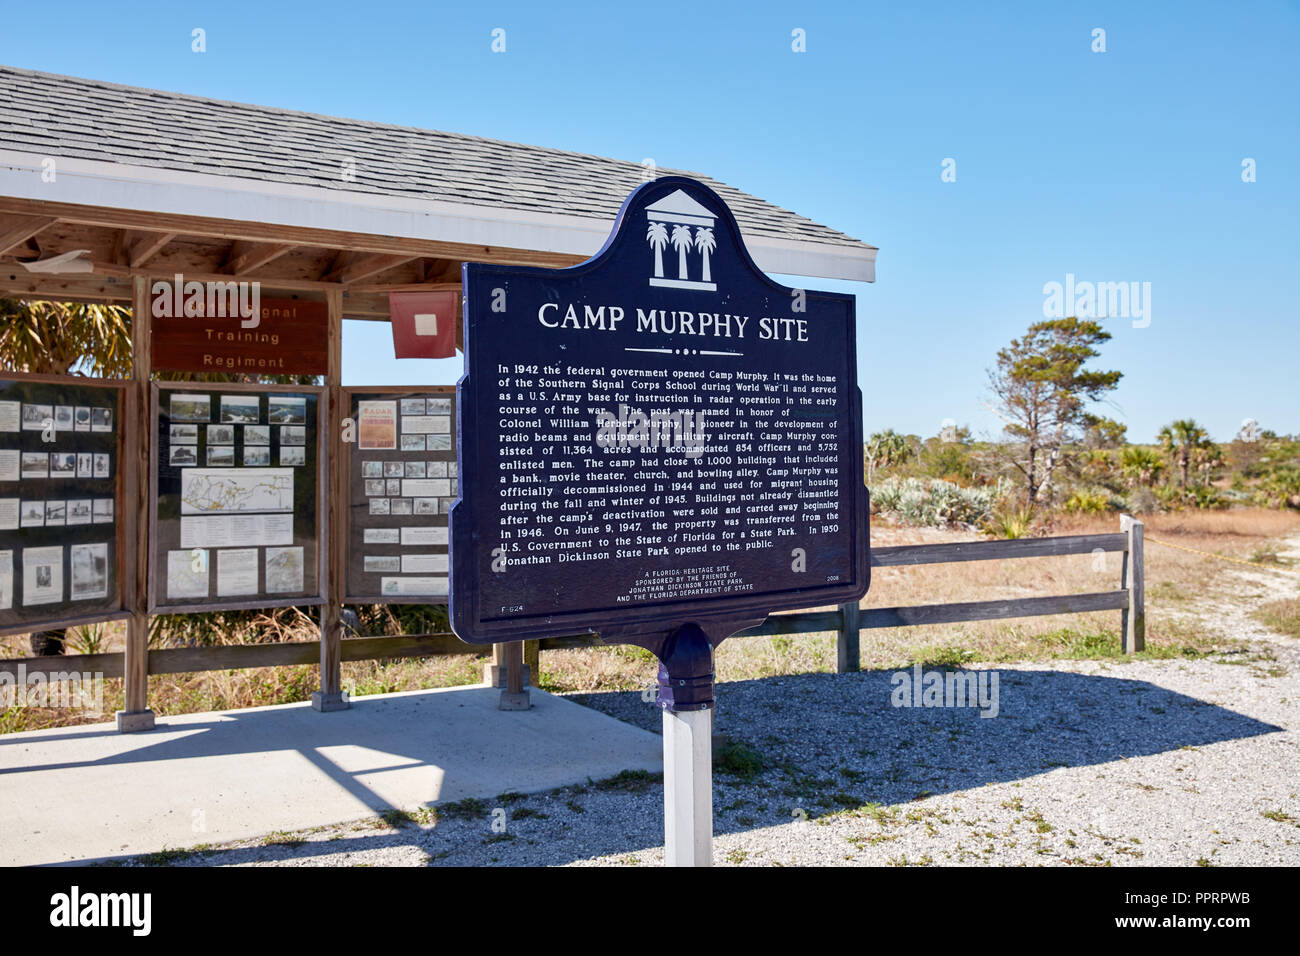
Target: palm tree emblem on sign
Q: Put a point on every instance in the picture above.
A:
(657, 236)
(682, 242)
(683, 214)
(705, 242)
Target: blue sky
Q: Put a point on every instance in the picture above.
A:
(1115, 166)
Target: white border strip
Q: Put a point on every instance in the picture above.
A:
(154, 189)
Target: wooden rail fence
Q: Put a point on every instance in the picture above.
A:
(848, 621)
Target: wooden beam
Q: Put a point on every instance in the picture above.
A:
(341, 260)
(914, 554)
(15, 230)
(161, 271)
(272, 232)
(442, 270)
(146, 247)
(991, 610)
(24, 285)
(245, 257)
(409, 287)
(365, 267)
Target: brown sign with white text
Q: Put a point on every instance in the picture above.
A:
(200, 329)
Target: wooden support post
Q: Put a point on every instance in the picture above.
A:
(496, 671)
(532, 662)
(848, 659)
(331, 695)
(136, 714)
(1133, 617)
(515, 696)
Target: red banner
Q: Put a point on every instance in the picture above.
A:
(424, 323)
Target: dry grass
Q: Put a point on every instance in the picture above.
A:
(1282, 616)
(171, 694)
(1174, 579)
(1176, 582)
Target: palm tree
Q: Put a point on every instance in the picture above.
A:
(1206, 458)
(58, 338)
(1141, 465)
(682, 242)
(657, 236)
(1180, 439)
(886, 448)
(705, 242)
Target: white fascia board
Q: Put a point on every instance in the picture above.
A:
(154, 189)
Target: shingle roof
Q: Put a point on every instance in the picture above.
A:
(87, 119)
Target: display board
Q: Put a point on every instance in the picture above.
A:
(657, 436)
(61, 531)
(400, 479)
(238, 516)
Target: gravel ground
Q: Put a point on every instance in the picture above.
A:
(1178, 762)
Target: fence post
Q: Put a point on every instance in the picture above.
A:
(1133, 619)
(847, 656)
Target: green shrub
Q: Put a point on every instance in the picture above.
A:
(934, 502)
(1088, 502)
(1010, 521)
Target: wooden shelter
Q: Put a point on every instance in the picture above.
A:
(153, 184)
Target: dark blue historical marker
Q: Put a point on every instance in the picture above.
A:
(660, 445)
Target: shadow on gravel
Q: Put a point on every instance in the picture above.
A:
(828, 742)
(825, 743)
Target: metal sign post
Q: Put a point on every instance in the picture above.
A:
(686, 695)
(662, 446)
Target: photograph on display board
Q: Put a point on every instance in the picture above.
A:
(286, 410)
(36, 417)
(241, 409)
(191, 408)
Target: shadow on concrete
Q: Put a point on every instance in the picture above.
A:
(77, 795)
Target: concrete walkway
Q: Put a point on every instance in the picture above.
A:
(86, 793)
